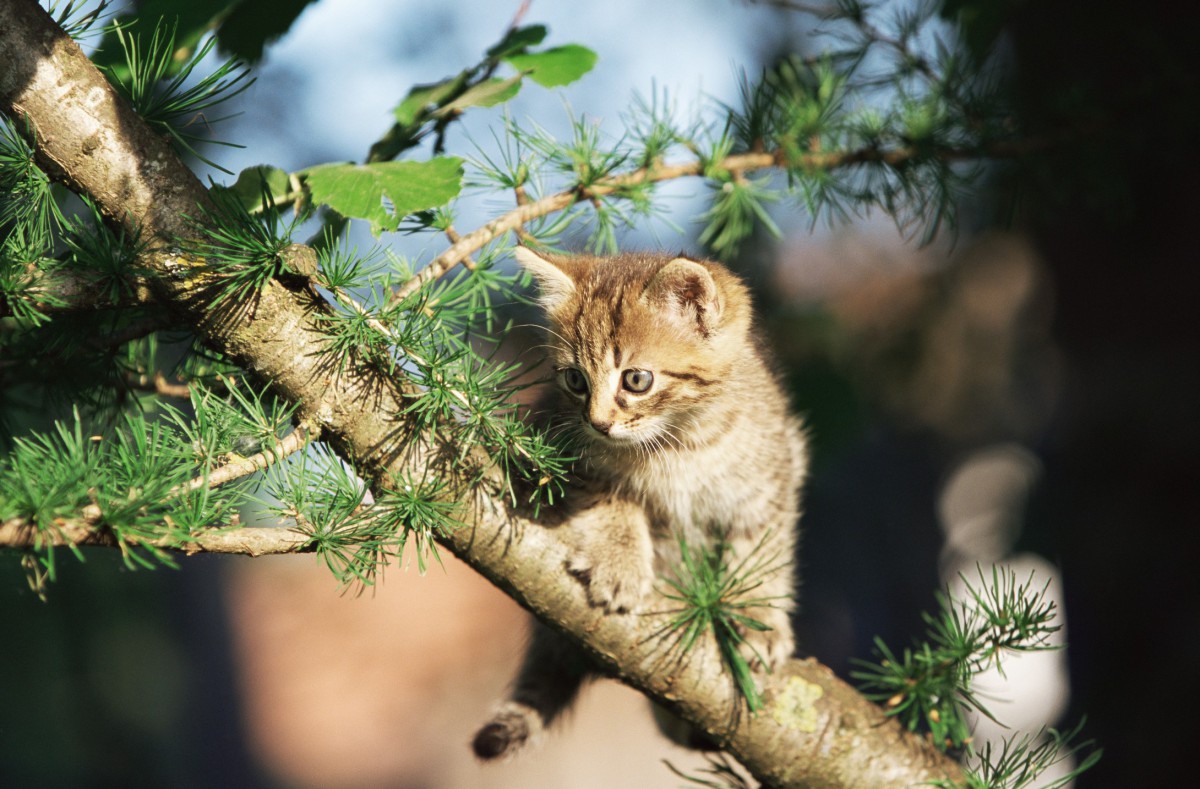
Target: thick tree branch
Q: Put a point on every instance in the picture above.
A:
(815, 729)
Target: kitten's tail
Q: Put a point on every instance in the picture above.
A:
(548, 683)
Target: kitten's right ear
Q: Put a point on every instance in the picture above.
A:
(553, 276)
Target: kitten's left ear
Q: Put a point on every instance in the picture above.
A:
(555, 277)
(687, 290)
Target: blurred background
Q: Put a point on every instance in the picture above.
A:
(1021, 393)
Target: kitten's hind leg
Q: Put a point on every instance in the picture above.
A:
(551, 675)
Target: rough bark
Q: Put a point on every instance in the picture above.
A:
(815, 729)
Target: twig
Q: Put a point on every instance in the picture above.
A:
(736, 164)
(159, 385)
(72, 291)
(304, 434)
(20, 533)
(454, 237)
(87, 528)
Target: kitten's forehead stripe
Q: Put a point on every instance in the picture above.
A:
(617, 316)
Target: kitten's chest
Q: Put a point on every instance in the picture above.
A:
(699, 492)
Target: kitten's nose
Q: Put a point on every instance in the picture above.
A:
(602, 427)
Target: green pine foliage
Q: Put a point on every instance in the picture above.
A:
(242, 250)
(1021, 760)
(928, 686)
(160, 87)
(715, 597)
(132, 485)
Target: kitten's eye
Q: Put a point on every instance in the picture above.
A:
(637, 381)
(574, 380)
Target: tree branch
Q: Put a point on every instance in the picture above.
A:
(814, 731)
(293, 442)
(84, 531)
(736, 164)
(73, 291)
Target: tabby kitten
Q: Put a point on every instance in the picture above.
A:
(685, 430)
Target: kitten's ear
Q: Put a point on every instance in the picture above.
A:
(687, 290)
(554, 277)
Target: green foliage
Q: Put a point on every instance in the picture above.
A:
(427, 109)
(234, 423)
(27, 203)
(355, 537)
(141, 482)
(456, 391)
(131, 483)
(555, 67)
(258, 188)
(161, 91)
(26, 290)
(77, 18)
(107, 256)
(739, 204)
(243, 250)
(1022, 759)
(716, 596)
(385, 192)
(929, 686)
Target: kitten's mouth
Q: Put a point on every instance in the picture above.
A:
(615, 436)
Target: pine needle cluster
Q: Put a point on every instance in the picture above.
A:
(928, 687)
(716, 596)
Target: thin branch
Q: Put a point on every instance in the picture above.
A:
(87, 528)
(158, 384)
(64, 291)
(304, 434)
(454, 237)
(736, 165)
(19, 533)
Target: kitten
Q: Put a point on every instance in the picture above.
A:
(685, 431)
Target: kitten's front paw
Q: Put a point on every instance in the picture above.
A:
(614, 585)
(771, 648)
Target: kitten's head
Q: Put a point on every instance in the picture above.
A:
(641, 344)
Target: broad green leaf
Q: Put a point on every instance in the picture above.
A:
(422, 96)
(487, 94)
(518, 40)
(360, 191)
(555, 67)
(255, 182)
